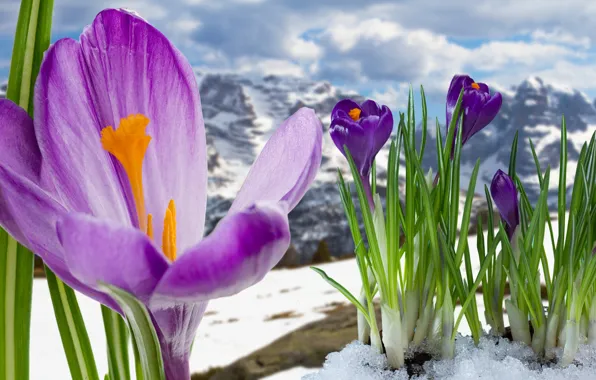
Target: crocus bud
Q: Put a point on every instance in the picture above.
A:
(504, 194)
(364, 129)
(478, 107)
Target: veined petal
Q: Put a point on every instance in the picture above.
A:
(287, 164)
(457, 83)
(176, 328)
(18, 145)
(123, 256)
(67, 125)
(133, 68)
(370, 108)
(241, 250)
(384, 128)
(32, 221)
(488, 112)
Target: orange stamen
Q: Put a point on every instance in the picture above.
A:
(150, 226)
(475, 86)
(169, 232)
(128, 143)
(355, 113)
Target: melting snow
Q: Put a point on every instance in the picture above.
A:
(491, 360)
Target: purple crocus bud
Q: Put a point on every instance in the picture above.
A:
(504, 194)
(364, 129)
(478, 105)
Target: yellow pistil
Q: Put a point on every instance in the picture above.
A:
(128, 143)
(169, 232)
(475, 86)
(355, 114)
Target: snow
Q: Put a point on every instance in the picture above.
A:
(493, 359)
(530, 102)
(232, 327)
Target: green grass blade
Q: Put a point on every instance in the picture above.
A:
(72, 330)
(343, 291)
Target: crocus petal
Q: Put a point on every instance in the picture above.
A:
(504, 194)
(487, 113)
(457, 83)
(358, 137)
(123, 256)
(18, 145)
(370, 108)
(241, 250)
(135, 69)
(483, 87)
(287, 164)
(176, 329)
(34, 212)
(75, 165)
(343, 108)
(384, 129)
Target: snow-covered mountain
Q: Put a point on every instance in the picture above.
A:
(241, 113)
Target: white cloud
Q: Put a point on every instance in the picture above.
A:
(302, 49)
(559, 36)
(269, 67)
(394, 97)
(497, 55)
(378, 43)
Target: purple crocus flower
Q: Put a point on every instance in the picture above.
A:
(504, 194)
(479, 107)
(109, 181)
(364, 129)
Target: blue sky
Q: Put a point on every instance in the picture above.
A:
(375, 47)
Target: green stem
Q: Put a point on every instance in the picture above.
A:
(117, 337)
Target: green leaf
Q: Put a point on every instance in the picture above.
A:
(32, 38)
(142, 330)
(72, 330)
(16, 283)
(117, 336)
(343, 291)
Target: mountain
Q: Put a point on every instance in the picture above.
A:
(241, 113)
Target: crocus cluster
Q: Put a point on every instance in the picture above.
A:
(108, 182)
(403, 243)
(415, 251)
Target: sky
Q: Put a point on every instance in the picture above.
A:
(377, 48)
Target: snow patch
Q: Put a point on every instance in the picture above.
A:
(492, 359)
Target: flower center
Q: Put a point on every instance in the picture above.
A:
(128, 143)
(355, 113)
(475, 86)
